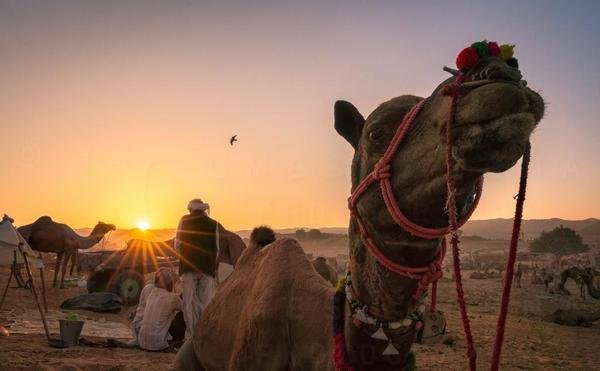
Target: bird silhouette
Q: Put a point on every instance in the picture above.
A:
(233, 139)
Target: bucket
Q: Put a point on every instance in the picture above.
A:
(70, 331)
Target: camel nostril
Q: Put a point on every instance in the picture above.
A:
(486, 74)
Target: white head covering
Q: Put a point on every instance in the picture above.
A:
(197, 205)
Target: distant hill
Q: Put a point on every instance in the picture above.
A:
(591, 233)
(493, 229)
(501, 229)
(288, 231)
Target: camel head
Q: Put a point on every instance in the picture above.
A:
(102, 228)
(495, 115)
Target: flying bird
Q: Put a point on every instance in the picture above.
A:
(233, 139)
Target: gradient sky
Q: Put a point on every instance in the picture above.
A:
(122, 110)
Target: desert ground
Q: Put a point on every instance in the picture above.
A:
(531, 341)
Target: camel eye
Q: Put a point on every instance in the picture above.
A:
(376, 134)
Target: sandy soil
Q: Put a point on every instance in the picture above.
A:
(531, 343)
(32, 351)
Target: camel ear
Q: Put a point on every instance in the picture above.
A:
(348, 121)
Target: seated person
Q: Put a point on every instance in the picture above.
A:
(162, 306)
(139, 312)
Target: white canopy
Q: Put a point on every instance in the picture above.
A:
(10, 239)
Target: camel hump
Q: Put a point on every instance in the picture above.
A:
(284, 246)
(43, 220)
(281, 247)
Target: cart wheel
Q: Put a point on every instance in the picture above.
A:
(128, 285)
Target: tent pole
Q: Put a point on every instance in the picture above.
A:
(35, 292)
(43, 290)
(12, 270)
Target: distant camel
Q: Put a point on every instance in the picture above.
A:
(325, 270)
(574, 317)
(584, 277)
(518, 274)
(48, 236)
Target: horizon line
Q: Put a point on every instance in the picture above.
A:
(345, 227)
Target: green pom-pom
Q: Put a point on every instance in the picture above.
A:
(411, 362)
(482, 48)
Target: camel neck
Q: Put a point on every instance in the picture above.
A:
(89, 241)
(388, 295)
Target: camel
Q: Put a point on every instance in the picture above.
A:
(283, 320)
(584, 277)
(325, 270)
(518, 274)
(573, 317)
(46, 235)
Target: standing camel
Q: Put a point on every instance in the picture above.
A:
(583, 277)
(48, 236)
(283, 320)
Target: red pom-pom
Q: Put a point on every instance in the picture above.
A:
(467, 59)
(494, 49)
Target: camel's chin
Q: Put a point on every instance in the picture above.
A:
(504, 140)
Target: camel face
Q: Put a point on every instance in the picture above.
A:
(496, 113)
(102, 228)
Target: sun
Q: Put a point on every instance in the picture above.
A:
(143, 225)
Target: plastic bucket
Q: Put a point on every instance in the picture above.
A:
(70, 331)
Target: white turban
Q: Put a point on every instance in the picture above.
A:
(197, 205)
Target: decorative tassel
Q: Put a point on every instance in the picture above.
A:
(379, 334)
(390, 350)
(360, 315)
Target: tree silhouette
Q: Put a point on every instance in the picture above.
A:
(300, 234)
(560, 241)
(315, 234)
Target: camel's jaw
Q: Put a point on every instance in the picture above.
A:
(503, 139)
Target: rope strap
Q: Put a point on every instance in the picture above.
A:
(453, 90)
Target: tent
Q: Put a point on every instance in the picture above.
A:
(15, 250)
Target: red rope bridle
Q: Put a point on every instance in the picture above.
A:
(433, 272)
(382, 174)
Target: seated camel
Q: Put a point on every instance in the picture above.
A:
(283, 319)
(325, 270)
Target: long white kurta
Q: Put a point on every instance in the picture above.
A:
(198, 291)
(161, 308)
(139, 311)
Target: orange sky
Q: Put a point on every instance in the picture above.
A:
(117, 112)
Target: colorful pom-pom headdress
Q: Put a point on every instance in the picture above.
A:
(468, 57)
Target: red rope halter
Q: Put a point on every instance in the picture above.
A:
(382, 173)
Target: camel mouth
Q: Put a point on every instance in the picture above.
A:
(504, 138)
(507, 98)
